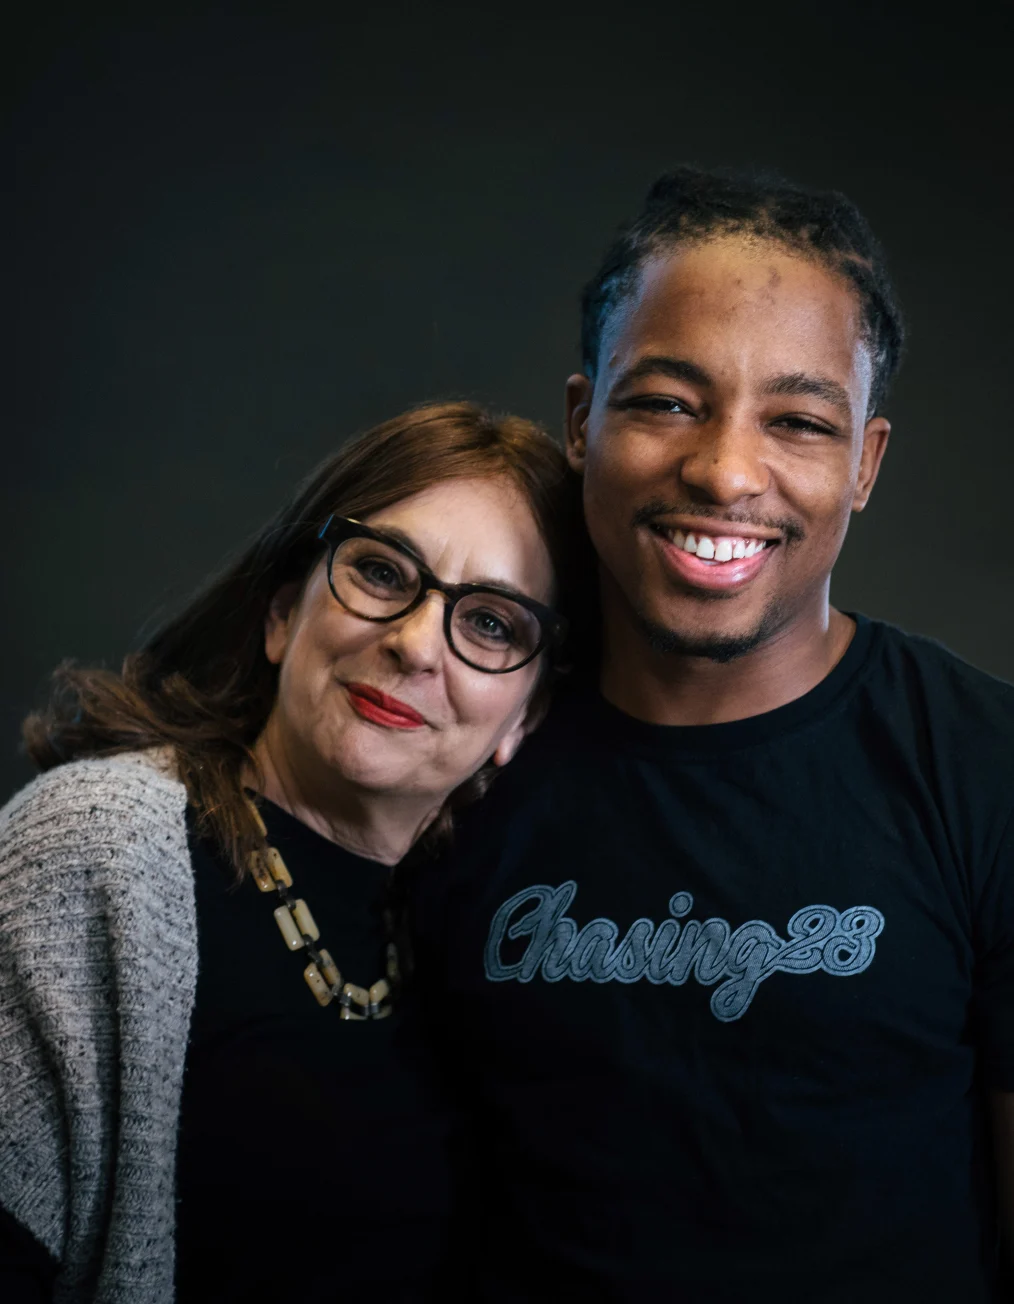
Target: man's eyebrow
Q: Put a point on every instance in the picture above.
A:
(660, 364)
(800, 385)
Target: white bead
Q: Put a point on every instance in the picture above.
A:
(317, 985)
(329, 969)
(276, 865)
(304, 920)
(259, 872)
(289, 931)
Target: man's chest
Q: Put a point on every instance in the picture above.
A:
(645, 915)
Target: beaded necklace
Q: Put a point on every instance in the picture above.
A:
(299, 930)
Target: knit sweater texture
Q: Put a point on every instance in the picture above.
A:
(98, 969)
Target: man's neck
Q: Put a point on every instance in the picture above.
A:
(376, 825)
(675, 689)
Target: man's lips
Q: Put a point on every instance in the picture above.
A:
(378, 707)
(721, 559)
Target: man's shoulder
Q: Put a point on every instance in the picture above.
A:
(946, 689)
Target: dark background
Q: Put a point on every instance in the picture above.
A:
(233, 239)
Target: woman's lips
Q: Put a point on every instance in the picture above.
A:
(377, 707)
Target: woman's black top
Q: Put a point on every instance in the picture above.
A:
(313, 1158)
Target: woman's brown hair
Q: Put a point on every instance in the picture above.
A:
(202, 684)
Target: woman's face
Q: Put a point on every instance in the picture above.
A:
(466, 531)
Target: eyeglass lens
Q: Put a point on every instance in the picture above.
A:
(378, 582)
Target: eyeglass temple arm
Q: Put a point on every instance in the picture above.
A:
(322, 532)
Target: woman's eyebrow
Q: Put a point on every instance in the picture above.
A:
(490, 581)
(406, 541)
(403, 540)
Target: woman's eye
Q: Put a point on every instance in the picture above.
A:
(490, 626)
(380, 573)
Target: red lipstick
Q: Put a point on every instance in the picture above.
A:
(378, 708)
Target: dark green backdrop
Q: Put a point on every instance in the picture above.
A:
(234, 240)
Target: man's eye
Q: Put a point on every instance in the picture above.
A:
(657, 403)
(804, 425)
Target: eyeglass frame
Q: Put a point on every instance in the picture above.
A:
(552, 625)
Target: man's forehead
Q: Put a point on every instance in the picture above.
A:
(742, 276)
(721, 297)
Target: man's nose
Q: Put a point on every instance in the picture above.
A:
(417, 639)
(727, 461)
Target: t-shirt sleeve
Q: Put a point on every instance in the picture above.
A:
(994, 985)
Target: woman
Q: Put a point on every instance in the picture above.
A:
(373, 656)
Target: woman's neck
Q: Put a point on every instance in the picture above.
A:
(379, 826)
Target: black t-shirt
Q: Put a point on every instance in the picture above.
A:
(730, 996)
(313, 1156)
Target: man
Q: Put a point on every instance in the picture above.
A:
(728, 954)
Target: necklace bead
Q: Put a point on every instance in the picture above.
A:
(331, 972)
(260, 873)
(299, 929)
(317, 985)
(287, 926)
(276, 867)
(304, 920)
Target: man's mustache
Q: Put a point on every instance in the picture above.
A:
(790, 528)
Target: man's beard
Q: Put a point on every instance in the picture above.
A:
(715, 647)
(720, 648)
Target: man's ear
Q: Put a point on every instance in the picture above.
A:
(875, 437)
(278, 621)
(578, 403)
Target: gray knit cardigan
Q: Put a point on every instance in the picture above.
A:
(98, 966)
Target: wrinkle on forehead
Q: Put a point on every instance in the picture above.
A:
(475, 530)
(736, 279)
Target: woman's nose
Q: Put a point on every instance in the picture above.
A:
(727, 463)
(417, 639)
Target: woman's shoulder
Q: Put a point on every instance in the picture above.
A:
(98, 810)
(98, 962)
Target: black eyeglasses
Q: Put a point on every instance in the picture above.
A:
(378, 578)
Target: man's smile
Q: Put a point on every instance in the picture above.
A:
(707, 559)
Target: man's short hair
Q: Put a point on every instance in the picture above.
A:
(688, 206)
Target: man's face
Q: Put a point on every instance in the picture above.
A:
(724, 444)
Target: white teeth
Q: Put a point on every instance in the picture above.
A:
(711, 548)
